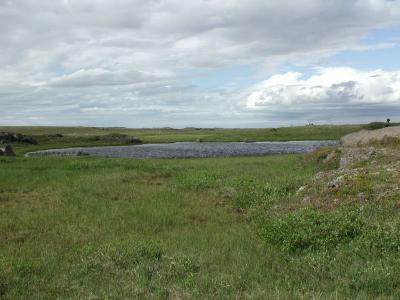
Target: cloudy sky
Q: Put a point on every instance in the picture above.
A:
(208, 63)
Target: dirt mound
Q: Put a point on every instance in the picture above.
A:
(364, 137)
(366, 174)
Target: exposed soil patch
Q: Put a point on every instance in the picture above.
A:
(370, 173)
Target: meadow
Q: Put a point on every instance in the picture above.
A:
(214, 228)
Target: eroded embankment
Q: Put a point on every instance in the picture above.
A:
(366, 173)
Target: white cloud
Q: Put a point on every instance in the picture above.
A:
(333, 86)
(93, 61)
(102, 77)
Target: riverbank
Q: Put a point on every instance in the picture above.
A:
(67, 137)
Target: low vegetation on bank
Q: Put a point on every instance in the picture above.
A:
(323, 225)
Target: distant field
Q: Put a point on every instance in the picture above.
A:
(93, 136)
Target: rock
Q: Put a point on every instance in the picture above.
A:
(200, 140)
(8, 137)
(335, 183)
(361, 196)
(364, 136)
(81, 153)
(7, 151)
(133, 140)
(4, 137)
(246, 140)
(330, 157)
(301, 189)
(28, 140)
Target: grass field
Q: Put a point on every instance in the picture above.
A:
(114, 228)
(215, 228)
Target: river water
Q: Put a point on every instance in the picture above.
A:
(191, 149)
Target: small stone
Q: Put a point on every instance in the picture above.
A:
(335, 183)
(331, 157)
(81, 153)
(246, 140)
(302, 188)
(361, 196)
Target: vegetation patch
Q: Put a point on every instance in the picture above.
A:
(323, 225)
(309, 229)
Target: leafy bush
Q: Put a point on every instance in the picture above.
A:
(254, 194)
(326, 158)
(375, 125)
(310, 229)
(202, 179)
(378, 125)
(3, 286)
(378, 238)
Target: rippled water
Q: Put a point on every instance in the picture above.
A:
(190, 149)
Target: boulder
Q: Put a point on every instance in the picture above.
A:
(133, 140)
(364, 136)
(246, 140)
(28, 140)
(7, 151)
(5, 137)
(8, 137)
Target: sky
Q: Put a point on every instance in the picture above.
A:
(199, 63)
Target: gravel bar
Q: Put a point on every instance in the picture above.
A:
(190, 149)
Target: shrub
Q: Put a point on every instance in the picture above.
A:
(374, 125)
(253, 194)
(310, 229)
(379, 125)
(327, 158)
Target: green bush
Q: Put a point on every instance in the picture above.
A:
(254, 194)
(378, 125)
(382, 240)
(310, 229)
(374, 125)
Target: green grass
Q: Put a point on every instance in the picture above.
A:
(119, 228)
(216, 228)
(379, 125)
(95, 136)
